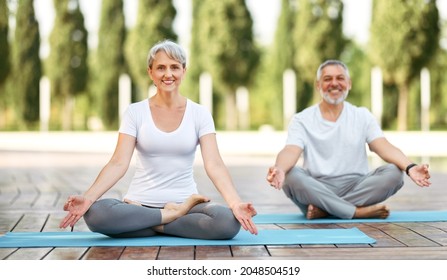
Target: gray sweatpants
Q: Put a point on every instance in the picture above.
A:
(340, 197)
(118, 219)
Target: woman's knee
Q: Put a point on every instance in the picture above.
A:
(97, 217)
(224, 225)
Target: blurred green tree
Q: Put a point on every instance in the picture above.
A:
(110, 62)
(154, 23)
(5, 63)
(67, 64)
(359, 65)
(27, 66)
(404, 38)
(278, 58)
(227, 45)
(318, 36)
(438, 106)
(196, 60)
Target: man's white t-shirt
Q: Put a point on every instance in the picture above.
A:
(164, 160)
(334, 149)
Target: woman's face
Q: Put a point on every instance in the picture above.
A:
(166, 73)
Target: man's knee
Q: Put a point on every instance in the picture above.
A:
(394, 174)
(293, 182)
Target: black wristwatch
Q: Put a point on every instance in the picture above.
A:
(409, 167)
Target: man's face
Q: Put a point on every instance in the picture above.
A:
(334, 84)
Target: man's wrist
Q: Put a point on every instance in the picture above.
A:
(407, 169)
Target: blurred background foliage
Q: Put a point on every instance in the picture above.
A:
(405, 37)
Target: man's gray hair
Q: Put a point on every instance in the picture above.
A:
(331, 62)
(173, 51)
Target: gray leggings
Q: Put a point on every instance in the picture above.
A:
(341, 197)
(116, 218)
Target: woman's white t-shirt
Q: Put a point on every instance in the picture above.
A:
(334, 149)
(164, 160)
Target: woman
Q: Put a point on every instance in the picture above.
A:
(162, 198)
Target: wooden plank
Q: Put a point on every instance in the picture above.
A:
(406, 236)
(65, 253)
(9, 192)
(440, 225)
(439, 236)
(54, 220)
(31, 222)
(294, 226)
(212, 252)
(8, 221)
(403, 253)
(5, 252)
(46, 200)
(249, 251)
(268, 226)
(29, 254)
(103, 253)
(140, 253)
(382, 239)
(176, 253)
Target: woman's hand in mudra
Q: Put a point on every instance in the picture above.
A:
(76, 205)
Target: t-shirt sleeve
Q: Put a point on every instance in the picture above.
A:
(373, 130)
(128, 123)
(296, 132)
(204, 122)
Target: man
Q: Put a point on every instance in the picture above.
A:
(331, 135)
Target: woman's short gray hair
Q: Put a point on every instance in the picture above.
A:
(331, 62)
(173, 50)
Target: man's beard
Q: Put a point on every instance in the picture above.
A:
(333, 101)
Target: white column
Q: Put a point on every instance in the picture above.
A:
(206, 91)
(376, 104)
(289, 96)
(243, 105)
(377, 94)
(125, 94)
(425, 99)
(44, 103)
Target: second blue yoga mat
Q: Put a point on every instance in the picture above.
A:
(395, 217)
(265, 237)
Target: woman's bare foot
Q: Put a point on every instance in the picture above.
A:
(314, 212)
(128, 201)
(172, 211)
(373, 211)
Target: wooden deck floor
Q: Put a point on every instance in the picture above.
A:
(34, 186)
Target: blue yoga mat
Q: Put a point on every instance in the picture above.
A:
(264, 237)
(395, 217)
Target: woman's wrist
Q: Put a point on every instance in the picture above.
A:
(89, 198)
(233, 205)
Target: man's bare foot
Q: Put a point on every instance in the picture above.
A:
(172, 211)
(314, 212)
(373, 211)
